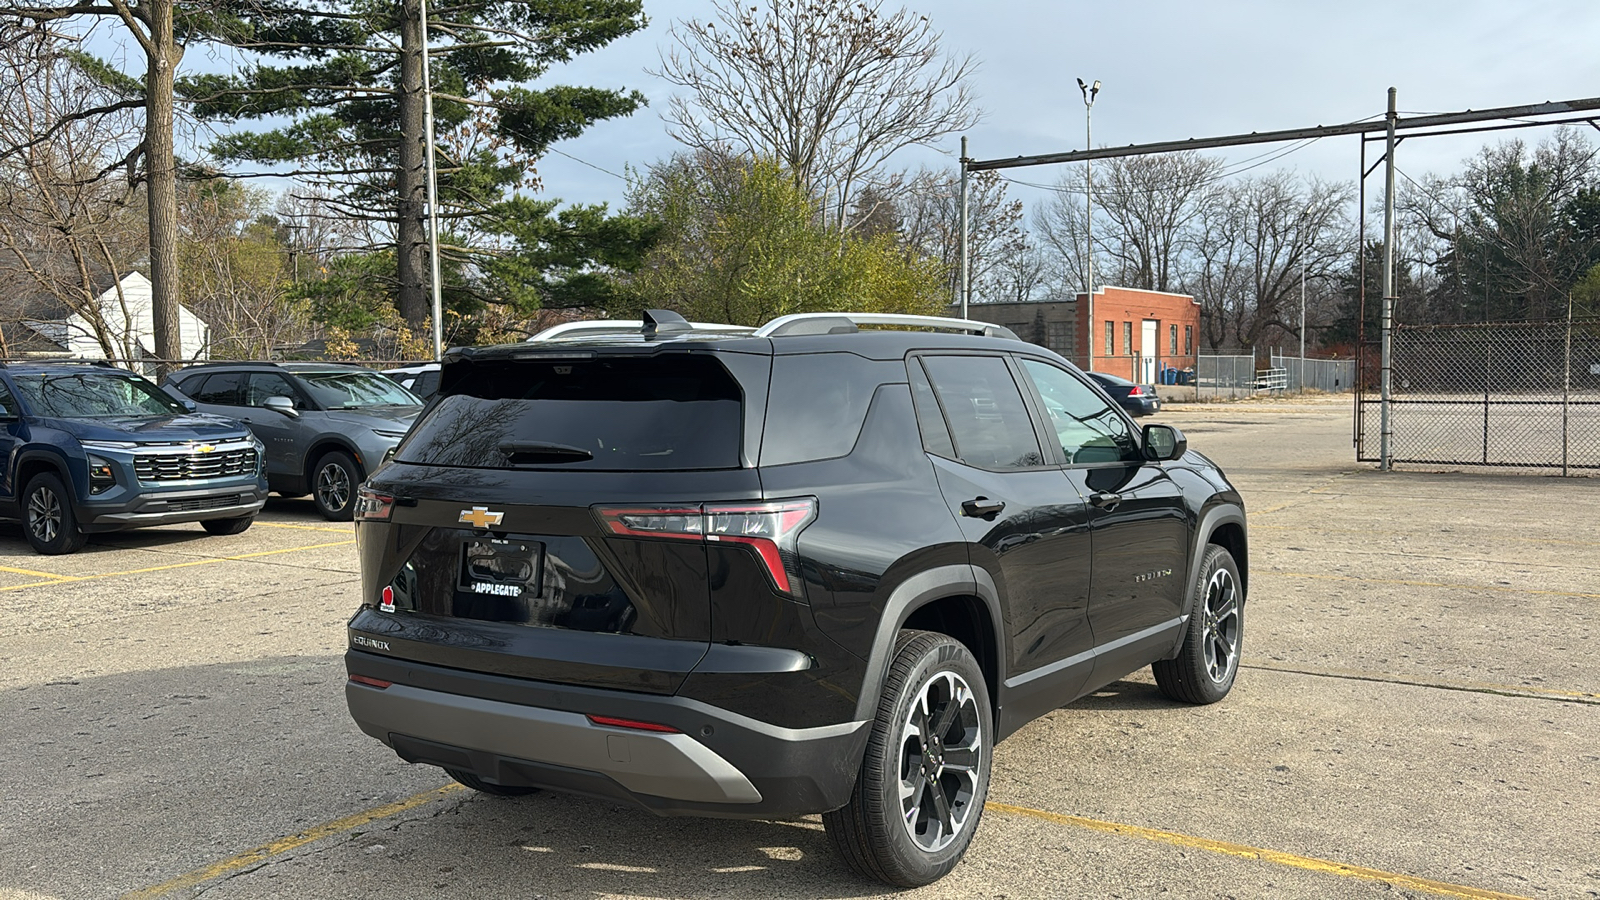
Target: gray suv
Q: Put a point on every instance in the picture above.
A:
(325, 426)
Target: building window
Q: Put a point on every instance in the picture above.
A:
(1127, 338)
(1188, 340)
(1111, 338)
(1172, 335)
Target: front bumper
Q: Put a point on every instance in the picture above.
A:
(173, 507)
(516, 732)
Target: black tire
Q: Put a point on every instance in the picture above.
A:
(237, 525)
(333, 485)
(1207, 664)
(900, 842)
(499, 790)
(47, 517)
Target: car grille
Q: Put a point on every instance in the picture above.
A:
(222, 502)
(194, 466)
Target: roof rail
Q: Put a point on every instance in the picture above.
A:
(847, 322)
(234, 362)
(568, 331)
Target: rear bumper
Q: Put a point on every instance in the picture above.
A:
(516, 732)
(172, 507)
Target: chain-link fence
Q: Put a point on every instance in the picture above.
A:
(1515, 394)
(1331, 376)
(1218, 376)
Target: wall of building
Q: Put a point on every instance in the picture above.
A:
(1063, 326)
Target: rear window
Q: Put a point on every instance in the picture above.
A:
(675, 411)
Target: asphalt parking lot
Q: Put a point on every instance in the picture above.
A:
(1418, 716)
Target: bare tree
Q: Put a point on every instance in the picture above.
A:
(1149, 203)
(829, 88)
(1252, 246)
(929, 209)
(66, 224)
(153, 25)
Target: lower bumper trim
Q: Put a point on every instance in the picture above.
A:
(671, 766)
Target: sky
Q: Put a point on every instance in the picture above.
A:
(1169, 70)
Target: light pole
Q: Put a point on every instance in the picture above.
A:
(1089, 92)
(433, 192)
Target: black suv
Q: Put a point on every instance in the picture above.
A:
(814, 569)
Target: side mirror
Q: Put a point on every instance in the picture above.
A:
(281, 405)
(190, 405)
(1164, 442)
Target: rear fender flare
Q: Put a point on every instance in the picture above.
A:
(918, 591)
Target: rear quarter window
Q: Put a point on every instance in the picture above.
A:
(818, 403)
(672, 411)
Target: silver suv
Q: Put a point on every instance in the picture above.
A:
(325, 426)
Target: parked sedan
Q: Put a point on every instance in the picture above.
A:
(1137, 399)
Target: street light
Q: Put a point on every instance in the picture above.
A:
(1089, 92)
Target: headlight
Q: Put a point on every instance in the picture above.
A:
(102, 475)
(391, 435)
(109, 445)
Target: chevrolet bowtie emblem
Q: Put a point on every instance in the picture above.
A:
(204, 448)
(481, 516)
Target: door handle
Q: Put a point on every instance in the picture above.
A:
(982, 508)
(1105, 501)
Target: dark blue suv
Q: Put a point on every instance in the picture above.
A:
(92, 448)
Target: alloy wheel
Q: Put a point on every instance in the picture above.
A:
(941, 745)
(333, 486)
(44, 514)
(1220, 626)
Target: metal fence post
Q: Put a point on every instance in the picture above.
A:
(1385, 458)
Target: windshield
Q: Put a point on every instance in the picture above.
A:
(91, 395)
(355, 390)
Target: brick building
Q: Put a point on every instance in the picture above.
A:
(1135, 334)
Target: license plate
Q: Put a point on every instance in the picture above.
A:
(500, 567)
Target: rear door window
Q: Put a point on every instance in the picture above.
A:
(223, 389)
(672, 411)
(985, 411)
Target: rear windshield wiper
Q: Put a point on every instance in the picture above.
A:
(530, 453)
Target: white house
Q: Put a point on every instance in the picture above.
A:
(128, 320)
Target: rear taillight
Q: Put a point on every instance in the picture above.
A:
(1136, 391)
(372, 506)
(378, 683)
(770, 529)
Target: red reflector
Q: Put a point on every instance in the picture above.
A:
(613, 722)
(370, 682)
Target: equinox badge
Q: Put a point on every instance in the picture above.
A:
(481, 517)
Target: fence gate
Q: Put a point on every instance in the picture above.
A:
(1517, 394)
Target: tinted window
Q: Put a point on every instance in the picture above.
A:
(935, 434)
(1089, 429)
(94, 395)
(225, 388)
(426, 385)
(675, 411)
(8, 406)
(818, 404)
(985, 412)
(268, 384)
(354, 390)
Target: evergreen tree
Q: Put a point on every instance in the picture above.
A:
(348, 76)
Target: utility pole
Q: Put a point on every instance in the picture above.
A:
(1302, 322)
(961, 287)
(1385, 462)
(433, 192)
(1089, 93)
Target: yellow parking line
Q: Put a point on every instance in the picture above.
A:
(1309, 863)
(305, 527)
(68, 579)
(284, 845)
(30, 572)
(1505, 589)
